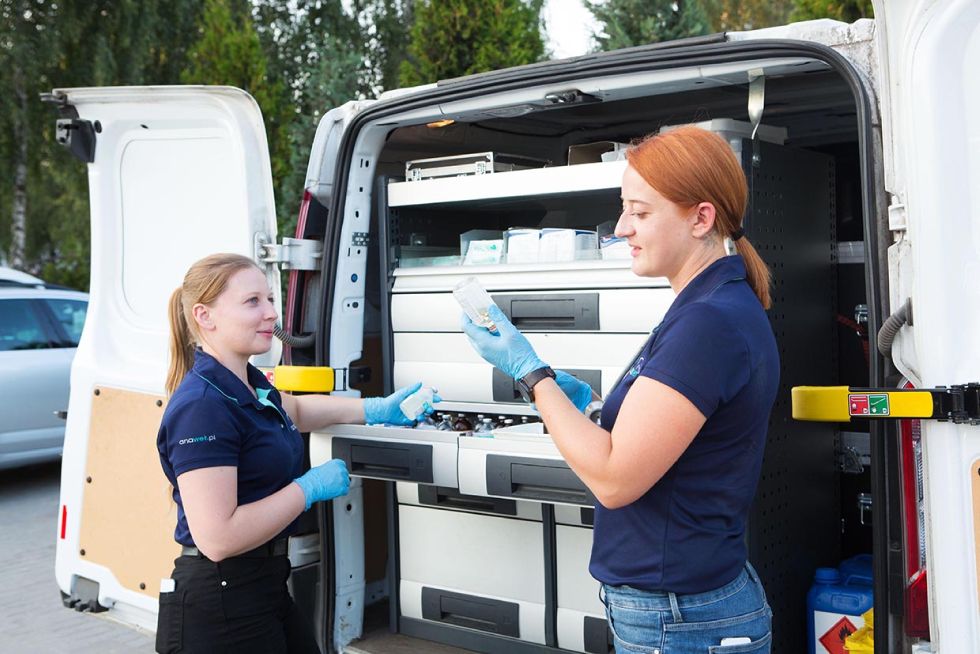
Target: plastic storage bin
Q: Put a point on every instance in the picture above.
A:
(834, 610)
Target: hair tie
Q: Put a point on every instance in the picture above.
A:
(737, 234)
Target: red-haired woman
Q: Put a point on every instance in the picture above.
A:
(677, 458)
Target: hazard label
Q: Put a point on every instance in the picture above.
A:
(833, 639)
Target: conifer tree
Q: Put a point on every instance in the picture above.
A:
(627, 23)
(450, 38)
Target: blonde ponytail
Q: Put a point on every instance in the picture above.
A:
(181, 342)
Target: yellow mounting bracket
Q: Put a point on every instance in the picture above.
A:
(958, 404)
(306, 379)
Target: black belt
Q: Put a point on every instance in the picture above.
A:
(277, 547)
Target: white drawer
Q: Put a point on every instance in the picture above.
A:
(440, 497)
(443, 561)
(635, 310)
(581, 619)
(426, 456)
(526, 467)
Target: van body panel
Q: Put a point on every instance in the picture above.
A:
(179, 173)
(931, 52)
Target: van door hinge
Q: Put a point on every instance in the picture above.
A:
(959, 403)
(291, 254)
(78, 136)
(897, 218)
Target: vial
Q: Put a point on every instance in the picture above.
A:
(475, 302)
(414, 405)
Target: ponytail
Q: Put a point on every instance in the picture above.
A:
(181, 342)
(756, 271)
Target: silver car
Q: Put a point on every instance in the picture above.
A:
(39, 330)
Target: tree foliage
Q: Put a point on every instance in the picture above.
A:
(46, 45)
(627, 23)
(450, 38)
(735, 15)
(845, 10)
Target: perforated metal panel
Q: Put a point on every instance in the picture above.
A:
(794, 526)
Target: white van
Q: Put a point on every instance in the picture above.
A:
(862, 172)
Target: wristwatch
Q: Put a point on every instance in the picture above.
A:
(526, 383)
(593, 411)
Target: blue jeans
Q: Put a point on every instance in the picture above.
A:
(657, 622)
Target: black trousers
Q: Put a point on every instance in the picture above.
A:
(239, 605)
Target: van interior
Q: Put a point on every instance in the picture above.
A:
(806, 218)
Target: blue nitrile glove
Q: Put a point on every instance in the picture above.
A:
(385, 410)
(574, 389)
(507, 349)
(324, 482)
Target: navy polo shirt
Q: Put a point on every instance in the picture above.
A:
(213, 419)
(716, 347)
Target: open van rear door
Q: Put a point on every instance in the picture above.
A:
(931, 100)
(175, 174)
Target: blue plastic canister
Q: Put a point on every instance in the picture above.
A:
(857, 569)
(834, 609)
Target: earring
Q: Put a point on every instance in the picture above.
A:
(730, 248)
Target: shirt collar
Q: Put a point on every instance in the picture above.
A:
(225, 382)
(724, 270)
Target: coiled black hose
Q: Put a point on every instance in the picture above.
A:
(292, 340)
(886, 335)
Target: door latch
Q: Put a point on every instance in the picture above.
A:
(959, 404)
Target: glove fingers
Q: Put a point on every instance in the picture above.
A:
(405, 391)
(500, 320)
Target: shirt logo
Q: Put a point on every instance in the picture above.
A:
(637, 367)
(197, 439)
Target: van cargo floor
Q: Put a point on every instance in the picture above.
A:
(378, 640)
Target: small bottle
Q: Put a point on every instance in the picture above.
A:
(508, 422)
(486, 427)
(462, 424)
(523, 420)
(446, 424)
(475, 302)
(414, 405)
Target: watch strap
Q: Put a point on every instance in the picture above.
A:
(526, 383)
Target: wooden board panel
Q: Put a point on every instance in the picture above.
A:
(128, 514)
(975, 483)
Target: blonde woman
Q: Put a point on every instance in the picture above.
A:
(230, 445)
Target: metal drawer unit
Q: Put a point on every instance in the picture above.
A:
(587, 318)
